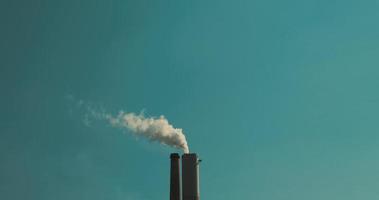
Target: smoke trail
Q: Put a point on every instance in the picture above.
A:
(152, 128)
(155, 129)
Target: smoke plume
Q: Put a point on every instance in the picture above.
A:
(154, 129)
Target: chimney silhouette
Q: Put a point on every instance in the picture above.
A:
(190, 176)
(174, 177)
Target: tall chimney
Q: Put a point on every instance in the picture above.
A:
(174, 177)
(190, 177)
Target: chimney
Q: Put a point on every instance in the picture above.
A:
(190, 177)
(174, 177)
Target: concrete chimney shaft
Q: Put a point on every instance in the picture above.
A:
(174, 177)
(190, 177)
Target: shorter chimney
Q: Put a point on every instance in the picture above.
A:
(190, 177)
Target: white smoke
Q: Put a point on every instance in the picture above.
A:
(154, 129)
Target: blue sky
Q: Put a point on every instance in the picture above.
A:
(279, 98)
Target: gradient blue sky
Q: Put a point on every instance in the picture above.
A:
(279, 98)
